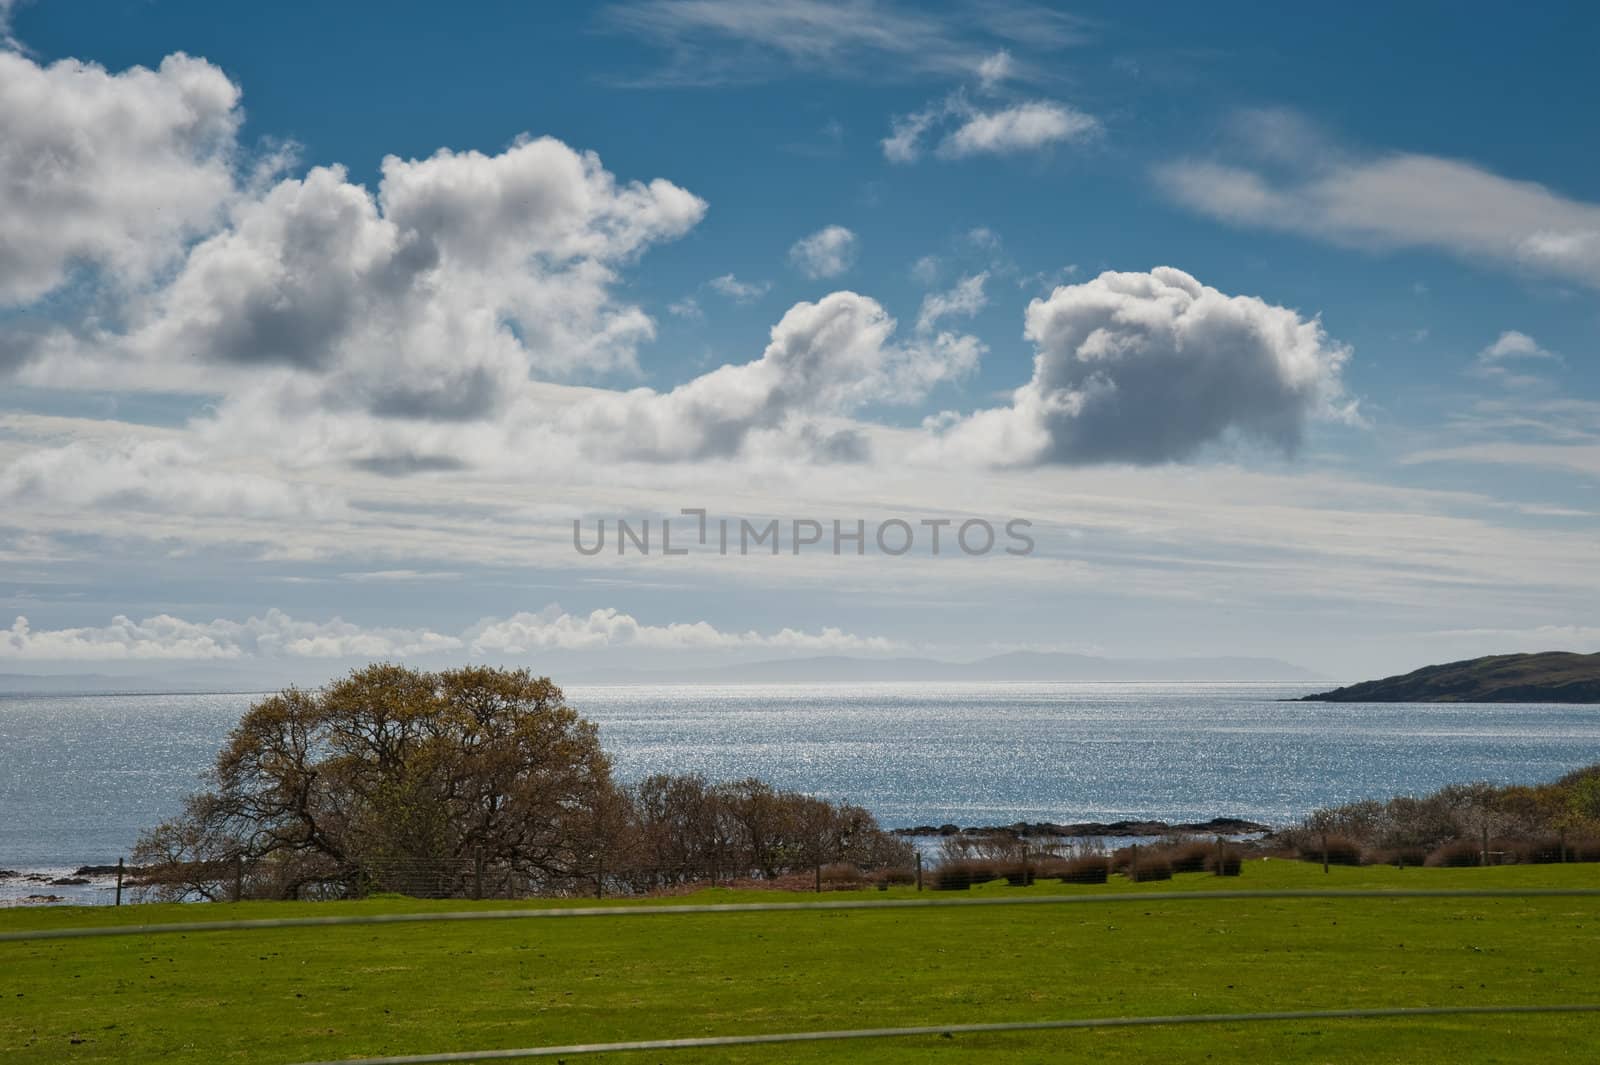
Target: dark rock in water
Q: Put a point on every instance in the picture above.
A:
(9, 874)
(1226, 826)
(69, 881)
(1217, 826)
(96, 870)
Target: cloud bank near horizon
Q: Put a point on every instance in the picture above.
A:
(276, 634)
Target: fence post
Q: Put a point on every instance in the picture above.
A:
(919, 870)
(119, 881)
(1324, 852)
(238, 877)
(600, 877)
(477, 872)
(819, 878)
(1133, 864)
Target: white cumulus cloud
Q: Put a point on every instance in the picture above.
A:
(111, 171)
(739, 291)
(435, 297)
(827, 358)
(1501, 360)
(969, 130)
(1512, 344)
(828, 252)
(964, 300)
(1149, 368)
(1025, 127)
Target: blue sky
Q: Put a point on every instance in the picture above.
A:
(1375, 445)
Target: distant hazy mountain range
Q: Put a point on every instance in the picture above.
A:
(1547, 677)
(101, 683)
(1016, 666)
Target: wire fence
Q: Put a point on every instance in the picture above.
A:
(670, 910)
(237, 879)
(562, 875)
(709, 1042)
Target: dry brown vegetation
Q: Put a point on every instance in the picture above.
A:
(1462, 824)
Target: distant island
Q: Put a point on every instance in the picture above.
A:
(1546, 677)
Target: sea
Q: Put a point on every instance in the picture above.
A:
(82, 775)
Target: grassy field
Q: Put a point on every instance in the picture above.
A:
(295, 995)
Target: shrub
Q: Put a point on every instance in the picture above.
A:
(1458, 855)
(959, 876)
(1399, 857)
(982, 847)
(1150, 866)
(1122, 857)
(1545, 851)
(1087, 869)
(1584, 850)
(841, 876)
(1018, 874)
(983, 872)
(1229, 862)
(1341, 850)
(894, 876)
(1190, 857)
(1460, 811)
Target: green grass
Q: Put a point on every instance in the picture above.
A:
(319, 993)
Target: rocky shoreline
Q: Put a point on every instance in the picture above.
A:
(1217, 826)
(81, 885)
(90, 884)
(77, 879)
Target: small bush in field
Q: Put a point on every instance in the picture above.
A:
(887, 878)
(1585, 850)
(1400, 857)
(1122, 857)
(959, 876)
(842, 875)
(1458, 855)
(1089, 869)
(983, 872)
(1546, 851)
(1190, 857)
(1341, 850)
(1150, 866)
(1018, 874)
(1230, 862)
